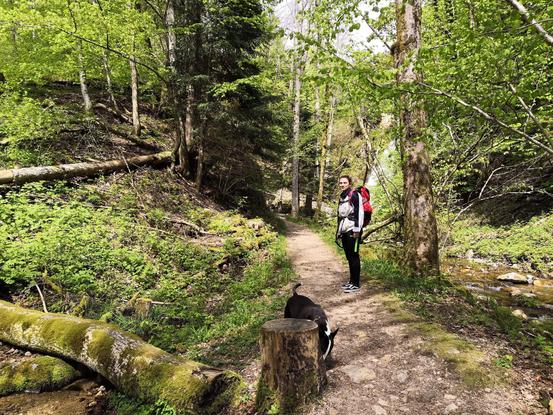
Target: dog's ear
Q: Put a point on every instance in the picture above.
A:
(333, 334)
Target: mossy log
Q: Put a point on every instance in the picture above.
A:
(133, 366)
(65, 171)
(36, 374)
(292, 368)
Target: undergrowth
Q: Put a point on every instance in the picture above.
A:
(529, 243)
(95, 247)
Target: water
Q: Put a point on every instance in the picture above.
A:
(536, 301)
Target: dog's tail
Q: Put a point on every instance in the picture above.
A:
(295, 288)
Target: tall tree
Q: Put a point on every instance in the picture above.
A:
(421, 234)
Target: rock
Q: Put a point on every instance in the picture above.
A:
(516, 278)
(358, 374)
(378, 410)
(513, 291)
(401, 377)
(448, 397)
(520, 314)
(382, 402)
(256, 224)
(551, 406)
(27, 354)
(450, 408)
(543, 283)
(469, 254)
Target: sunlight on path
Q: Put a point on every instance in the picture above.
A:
(378, 366)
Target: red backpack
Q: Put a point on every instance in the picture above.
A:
(366, 199)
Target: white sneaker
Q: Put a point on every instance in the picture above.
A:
(351, 289)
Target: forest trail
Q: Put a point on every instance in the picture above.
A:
(378, 365)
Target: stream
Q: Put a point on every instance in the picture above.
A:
(535, 300)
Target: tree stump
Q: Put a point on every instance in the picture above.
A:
(293, 371)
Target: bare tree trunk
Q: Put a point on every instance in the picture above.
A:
(180, 149)
(200, 169)
(189, 114)
(421, 234)
(326, 151)
(107, 71)
(136, 127)
(295, 141)
(82, 79)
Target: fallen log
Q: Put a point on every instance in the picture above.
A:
(36, 374)
(65, 171)
(133, 366)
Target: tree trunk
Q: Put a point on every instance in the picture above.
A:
(107, 71)
(421, 234)
(136, 127)
(65, 171)
(370, 153)
(325, 151)
(133, 366)
(292, 367)
(180, 149)
(82, 79)
(189, 114)
(295, 143)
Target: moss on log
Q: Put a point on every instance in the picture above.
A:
(133, 366)
(36, 374)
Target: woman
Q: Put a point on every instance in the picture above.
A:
(350, 223)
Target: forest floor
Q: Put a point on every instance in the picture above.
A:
(383, 363)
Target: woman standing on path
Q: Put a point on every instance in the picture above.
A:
(350, 223)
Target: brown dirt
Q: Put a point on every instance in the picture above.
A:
(379, 363)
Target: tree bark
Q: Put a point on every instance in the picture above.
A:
(82, 78)
(180, 149)
(136, 127)
(325, 151)
(292, 367)
(295, 142)
(65, 171)
(133, 366)
(421, 234)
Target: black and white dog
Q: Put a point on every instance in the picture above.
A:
(299, 306)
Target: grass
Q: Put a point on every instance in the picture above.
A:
(529, 243)
(95, 247)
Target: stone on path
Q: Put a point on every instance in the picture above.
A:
(450, 408)
(358, 374)
(378, 410)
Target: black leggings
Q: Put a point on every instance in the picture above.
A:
(351, 248)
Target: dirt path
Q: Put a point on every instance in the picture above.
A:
(379, 367)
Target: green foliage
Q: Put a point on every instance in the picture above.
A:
(123, 405)
(530, 242)
(505, 361)
(24, 119)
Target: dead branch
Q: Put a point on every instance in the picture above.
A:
(390, 220)
(41, 298)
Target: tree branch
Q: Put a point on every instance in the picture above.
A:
(490, 117)
(527, 19)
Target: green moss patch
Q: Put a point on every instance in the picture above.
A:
(36, 374)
